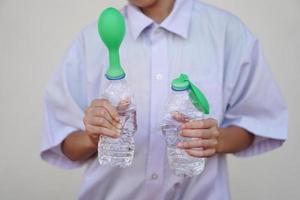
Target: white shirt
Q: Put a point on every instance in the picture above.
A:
(220, 55)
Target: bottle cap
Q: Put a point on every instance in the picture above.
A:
(111, 28)
(197, 97)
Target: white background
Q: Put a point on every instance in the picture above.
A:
(33, 37)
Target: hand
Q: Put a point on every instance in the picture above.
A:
(101, 118)
(205, 134)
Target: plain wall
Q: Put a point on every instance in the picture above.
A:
(33, 37)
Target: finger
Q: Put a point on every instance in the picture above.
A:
(92, 129)
(107, 105)
(205, 123)
(99, 121)
(110, 133)
(199, 143)
(197, 133)
(124, 104)
(180, 117)
(103, 131)
(96, 111)
(201, 154)
(103, 113)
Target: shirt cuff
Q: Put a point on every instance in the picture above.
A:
(266, 138)
(260, 145)
(52, 153)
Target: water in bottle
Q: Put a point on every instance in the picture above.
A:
(119, 151)
(186, 103)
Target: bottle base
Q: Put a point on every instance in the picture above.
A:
(184, 165)
(116, 152)
(115, 161)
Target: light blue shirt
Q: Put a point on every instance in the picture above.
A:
(220, 55)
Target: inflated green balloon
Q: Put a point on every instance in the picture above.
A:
(111, 28)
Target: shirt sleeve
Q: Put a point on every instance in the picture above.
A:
(255, 102)
(64, 102)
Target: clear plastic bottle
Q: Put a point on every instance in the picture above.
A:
(181, 108)
(120, 151)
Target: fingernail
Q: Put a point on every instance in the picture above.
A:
(117, 118)
(182, 126)
(180, 132)
(119, 126)
(180, 144)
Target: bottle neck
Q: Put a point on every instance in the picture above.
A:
(116, 81)
(114, 71)
(176, 91)
(180, 94)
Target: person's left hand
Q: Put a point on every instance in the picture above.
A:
(205, 134)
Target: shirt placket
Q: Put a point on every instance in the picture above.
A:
(159, 74)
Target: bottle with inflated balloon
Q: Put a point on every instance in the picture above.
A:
(117, 151)
(185, 103)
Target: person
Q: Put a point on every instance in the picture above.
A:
(163, 39)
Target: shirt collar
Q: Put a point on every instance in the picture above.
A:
(177, 22)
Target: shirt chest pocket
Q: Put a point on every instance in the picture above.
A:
(210, 85)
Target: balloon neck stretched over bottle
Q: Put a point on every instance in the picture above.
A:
(114, 71)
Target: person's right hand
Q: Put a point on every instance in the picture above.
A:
(101, 119)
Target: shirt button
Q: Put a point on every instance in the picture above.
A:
(154, 176)
(157, 31)
(159, 77)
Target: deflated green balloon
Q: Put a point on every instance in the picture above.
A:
(197, 97)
